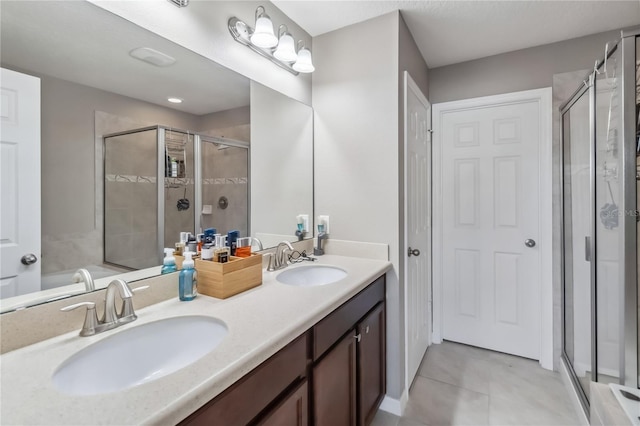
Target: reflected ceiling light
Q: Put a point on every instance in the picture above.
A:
(174, 100)
(279, 50)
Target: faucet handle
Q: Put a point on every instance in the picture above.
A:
(90, 320)
(270, 266)
(127, 304)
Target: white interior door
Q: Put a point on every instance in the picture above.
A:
(489, 223)
(417, 124)
(19, 184)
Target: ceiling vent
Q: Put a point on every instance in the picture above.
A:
(152, 56)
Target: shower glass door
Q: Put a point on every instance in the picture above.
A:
(577, 233)
(609, 215)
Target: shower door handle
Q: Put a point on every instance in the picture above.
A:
(587, 249)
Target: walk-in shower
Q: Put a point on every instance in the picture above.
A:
(160, 181)
(600, 244)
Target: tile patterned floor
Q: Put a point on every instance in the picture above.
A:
(463, 385)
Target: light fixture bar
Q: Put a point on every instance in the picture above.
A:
(241, 32)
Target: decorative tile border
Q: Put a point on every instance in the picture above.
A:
(176, 181)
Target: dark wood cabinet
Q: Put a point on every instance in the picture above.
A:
(245, 400)
(371, 364)
(333, 375)
(349, 377)
(334, 385)
(293, 410)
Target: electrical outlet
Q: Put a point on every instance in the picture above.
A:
(325, 219)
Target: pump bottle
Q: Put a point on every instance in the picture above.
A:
(187, 279)
(169, 262)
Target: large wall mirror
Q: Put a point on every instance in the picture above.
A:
(92, 86)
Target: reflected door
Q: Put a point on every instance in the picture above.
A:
(19, 184)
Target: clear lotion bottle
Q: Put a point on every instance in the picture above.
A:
(187, 279)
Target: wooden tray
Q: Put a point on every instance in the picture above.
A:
(224, 280)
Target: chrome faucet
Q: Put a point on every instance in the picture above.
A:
(126, 312)
(111, 318)
(82, 275)
(278, 259)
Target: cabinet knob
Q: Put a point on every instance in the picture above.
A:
(413, 252)
(358, 337)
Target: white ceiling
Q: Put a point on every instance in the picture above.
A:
(453, 31)
(82, 43)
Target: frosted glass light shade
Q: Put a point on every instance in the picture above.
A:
(286, 50)
(263, 36)
(304, 63)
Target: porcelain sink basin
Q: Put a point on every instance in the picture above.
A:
(139, 355)
(310, 276)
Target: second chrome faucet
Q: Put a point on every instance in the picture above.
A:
(278, 259)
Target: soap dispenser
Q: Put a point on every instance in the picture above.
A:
(187, 279)
(169, 262)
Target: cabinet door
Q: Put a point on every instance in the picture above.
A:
(334, 385)
(293, 410)
(371, 364)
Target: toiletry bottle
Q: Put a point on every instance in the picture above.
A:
(187, 279)
(232, 241)
(174, 167)
(169, 262)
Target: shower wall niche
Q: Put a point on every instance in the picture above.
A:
(159, 182)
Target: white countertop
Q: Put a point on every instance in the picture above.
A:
(261, 321)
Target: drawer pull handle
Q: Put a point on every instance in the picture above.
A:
(358, 337)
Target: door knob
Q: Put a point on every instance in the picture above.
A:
(529, 242)
(29, 259)
(414, 252)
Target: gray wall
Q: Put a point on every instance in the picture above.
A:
(525, 69)
(355, 97)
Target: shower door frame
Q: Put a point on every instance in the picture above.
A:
(565, 108)
(628, 374)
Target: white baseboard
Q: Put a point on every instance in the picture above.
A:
(395, 406)
(573, 394)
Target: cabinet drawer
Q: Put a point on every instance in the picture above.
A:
(244, 400)
(331, 328)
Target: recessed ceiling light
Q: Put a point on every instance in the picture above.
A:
(175, 100)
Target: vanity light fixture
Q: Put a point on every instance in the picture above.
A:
(180, 3)
(280, 50)
(174, 100)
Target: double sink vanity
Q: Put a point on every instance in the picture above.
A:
(305, 347)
